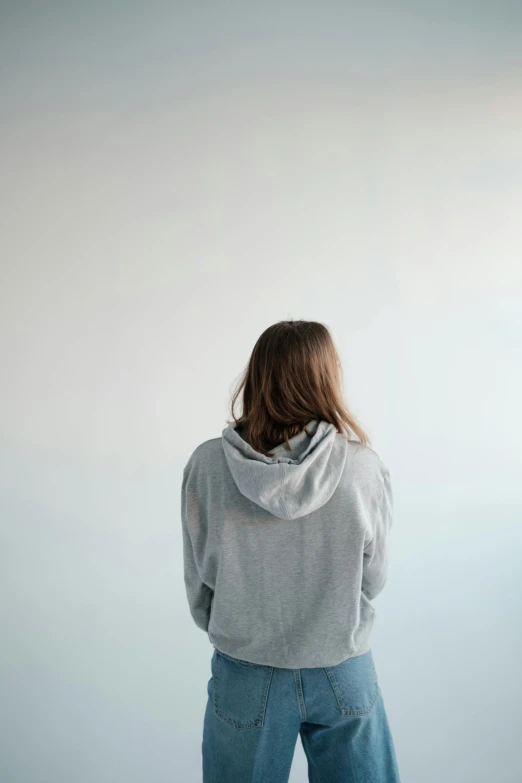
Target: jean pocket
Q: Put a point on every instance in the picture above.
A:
(240, 691)
(354, 683)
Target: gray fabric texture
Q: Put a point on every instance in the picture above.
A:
(283, 555)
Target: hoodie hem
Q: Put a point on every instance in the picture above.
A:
(281, 665)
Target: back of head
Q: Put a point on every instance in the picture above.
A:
(294, 374)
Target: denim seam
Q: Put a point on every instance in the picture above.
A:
(299, 691)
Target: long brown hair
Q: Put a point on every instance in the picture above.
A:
(294, 374)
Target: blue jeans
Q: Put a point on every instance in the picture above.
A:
(255, 713)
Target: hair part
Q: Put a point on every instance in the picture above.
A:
(294, 374)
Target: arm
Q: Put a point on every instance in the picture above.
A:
(375, 558)
(199, 594)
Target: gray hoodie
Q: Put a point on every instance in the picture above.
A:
(283, 555)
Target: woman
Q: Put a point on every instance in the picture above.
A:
(285, 522)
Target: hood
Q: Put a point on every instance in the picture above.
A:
(291, 483)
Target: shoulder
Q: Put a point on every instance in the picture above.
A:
(205, 454)
(365, 462)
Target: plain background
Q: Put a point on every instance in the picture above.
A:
(177, 177)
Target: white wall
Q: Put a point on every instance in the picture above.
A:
(175, 180)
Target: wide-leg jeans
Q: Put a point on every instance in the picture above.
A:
(255, 714)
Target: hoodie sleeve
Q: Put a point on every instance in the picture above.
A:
(199, 594)
(375, 558)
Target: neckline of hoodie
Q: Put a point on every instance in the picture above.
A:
(317, 427)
